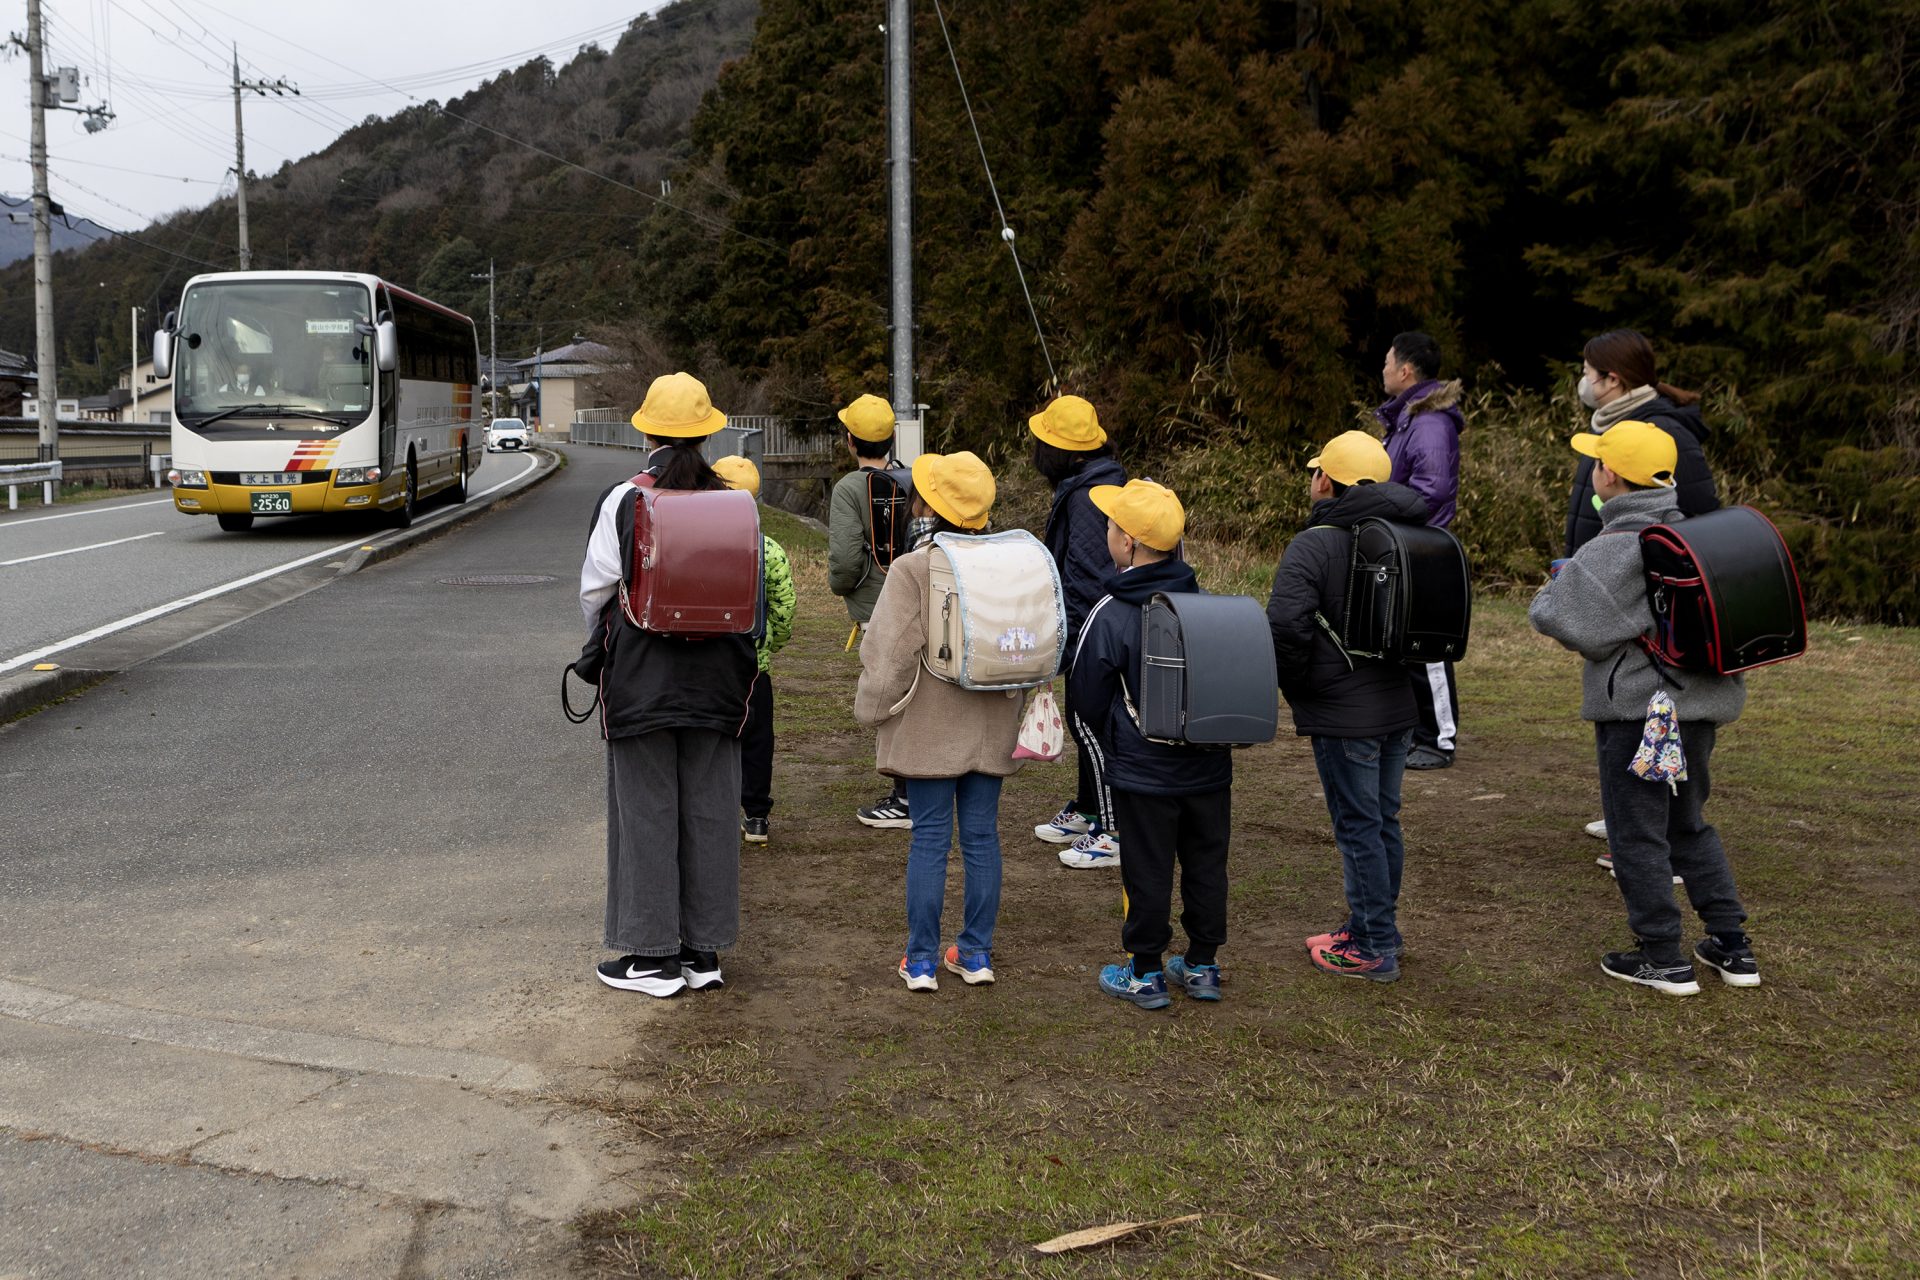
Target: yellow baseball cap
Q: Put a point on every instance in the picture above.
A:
(869, 418)
(1068, 423)
(739, 473)
(1638, 452)
(957, 486)
(1354, 457)
(677, 407)
(1145, 510)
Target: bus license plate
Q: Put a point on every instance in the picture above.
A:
(273, 504)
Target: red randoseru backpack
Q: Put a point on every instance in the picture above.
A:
(1724, 593)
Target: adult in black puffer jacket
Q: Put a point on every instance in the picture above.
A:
(1070, 449)
(1359, 712)
(1619, 383)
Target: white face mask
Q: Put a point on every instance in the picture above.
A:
(1586, 393)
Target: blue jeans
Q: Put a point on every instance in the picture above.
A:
(934, 803)
(1361, 777)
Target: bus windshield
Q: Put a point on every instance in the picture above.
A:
(249, 349)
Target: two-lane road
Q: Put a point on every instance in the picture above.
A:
(82, 571)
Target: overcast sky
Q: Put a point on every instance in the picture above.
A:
(165, 68)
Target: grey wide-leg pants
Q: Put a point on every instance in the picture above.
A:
(673, 842)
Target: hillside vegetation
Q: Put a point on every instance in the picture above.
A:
(1226, 210)
(426, 199)
(1229, 208)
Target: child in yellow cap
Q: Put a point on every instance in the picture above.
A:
(1358, 711)
(951, 747)
(1175, 802)
(1597, 606)
(670, 710)
(1070, 450)
(853, 572)
(756, 737)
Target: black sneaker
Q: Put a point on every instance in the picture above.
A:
(1429, 758)
(753, 830)
(1674, 978)
(701, 969)
(885, 812)
(654, 975)
(1735, 965)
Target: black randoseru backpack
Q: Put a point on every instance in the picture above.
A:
(1724, 593)
(1207, 675)
(889, 512)
(1409, 594)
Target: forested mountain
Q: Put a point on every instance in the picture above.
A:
(1231, 205)
(1226, 208)
(426, 199)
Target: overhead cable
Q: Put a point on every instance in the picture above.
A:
(1006, 229)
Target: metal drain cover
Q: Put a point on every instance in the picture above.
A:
(497, 580)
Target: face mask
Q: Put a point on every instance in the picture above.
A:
(1586, 393)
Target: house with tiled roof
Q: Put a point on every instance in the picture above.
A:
(17, 378)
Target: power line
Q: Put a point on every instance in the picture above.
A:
(144, 173)
(1006, 230)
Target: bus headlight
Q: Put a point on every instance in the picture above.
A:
(182, 479)
(357, 475)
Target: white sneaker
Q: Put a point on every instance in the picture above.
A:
(1094, 849)
(1064, 827)
(1598, 829)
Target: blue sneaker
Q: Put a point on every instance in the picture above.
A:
(1149, 992)
(1200, 981)
(919, 975)
(974, 967)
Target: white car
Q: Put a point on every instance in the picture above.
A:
(506, 433)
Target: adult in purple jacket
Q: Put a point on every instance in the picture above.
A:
(1422, 421)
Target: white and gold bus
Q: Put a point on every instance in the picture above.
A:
(298, 392)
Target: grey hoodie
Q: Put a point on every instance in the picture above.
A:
(1598, 608)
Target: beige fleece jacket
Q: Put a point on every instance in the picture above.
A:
(944, 731)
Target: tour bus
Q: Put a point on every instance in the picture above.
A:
(297, 392)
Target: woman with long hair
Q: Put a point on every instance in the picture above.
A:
(1619, 382)
(671, 710)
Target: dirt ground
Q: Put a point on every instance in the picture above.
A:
(1502, 1110)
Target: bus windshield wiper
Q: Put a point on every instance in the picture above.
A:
(210, 418)
(284, 411)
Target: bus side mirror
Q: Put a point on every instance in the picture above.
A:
(162, 354)
(386, 347)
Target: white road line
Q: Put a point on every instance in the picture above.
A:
(48, 555)
(159, 611)
(91, 511)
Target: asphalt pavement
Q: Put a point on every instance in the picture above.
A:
(307, 908)
(66, 571)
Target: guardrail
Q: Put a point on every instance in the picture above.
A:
(44, 474)
(761, 437)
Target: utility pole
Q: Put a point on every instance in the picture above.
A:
(47, 386)
(133, 369)
(493, 371)
(263, 88)
(44, 93)
(908, 437)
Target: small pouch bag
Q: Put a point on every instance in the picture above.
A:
(1043, 735)
(1661, 757)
